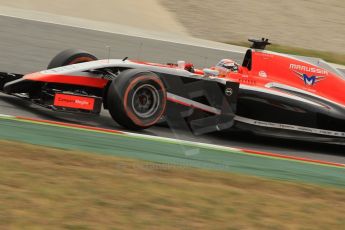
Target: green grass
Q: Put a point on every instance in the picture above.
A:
(44, 188)
(327, 56)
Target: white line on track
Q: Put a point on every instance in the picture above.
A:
(8, 116)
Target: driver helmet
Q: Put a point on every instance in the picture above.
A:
(227, 65)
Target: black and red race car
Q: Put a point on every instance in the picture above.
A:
(270, 93)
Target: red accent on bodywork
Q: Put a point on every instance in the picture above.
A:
(153, 64)
(198, 71)
(277, 68)
(186, 104)
(179, 102)
(72, 101)
(68, 79)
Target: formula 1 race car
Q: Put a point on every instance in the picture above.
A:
(270, 93)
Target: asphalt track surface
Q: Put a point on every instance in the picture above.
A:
(27, 46)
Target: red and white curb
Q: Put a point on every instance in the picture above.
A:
(175, 141)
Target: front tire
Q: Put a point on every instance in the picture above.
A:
(69, 57)
(137, 99)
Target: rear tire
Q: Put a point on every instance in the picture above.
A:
(137, 99)
(69, 57)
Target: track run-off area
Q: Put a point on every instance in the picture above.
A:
(171, 151)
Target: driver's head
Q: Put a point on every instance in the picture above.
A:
(227, 65)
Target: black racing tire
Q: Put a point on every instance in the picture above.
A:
(137, 99)
(69, 57)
